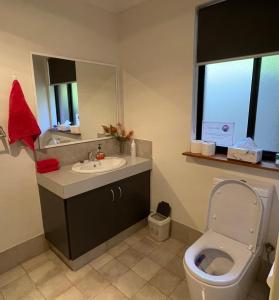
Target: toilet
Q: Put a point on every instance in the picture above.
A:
(222, 263)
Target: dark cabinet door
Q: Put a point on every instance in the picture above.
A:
(54, 220)
(91, 219)
(133, 200)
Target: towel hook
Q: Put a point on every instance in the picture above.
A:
(2, 132)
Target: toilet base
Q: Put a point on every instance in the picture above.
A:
(238, 291)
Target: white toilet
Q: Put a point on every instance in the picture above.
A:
(222, 264)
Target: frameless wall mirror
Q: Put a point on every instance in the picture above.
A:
(74, 99)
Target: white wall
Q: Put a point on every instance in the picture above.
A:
(97, 98)
(57, 27)
(42, 92)
(156, 46)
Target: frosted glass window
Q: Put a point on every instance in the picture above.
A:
(267, 121)
(227, 89)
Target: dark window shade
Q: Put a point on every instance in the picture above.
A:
(61, 70)
(236, 28)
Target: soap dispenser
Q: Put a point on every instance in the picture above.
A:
(133, 149)
(100, 155)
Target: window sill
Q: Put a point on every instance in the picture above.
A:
(264, 165)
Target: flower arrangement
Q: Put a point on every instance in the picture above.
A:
(118, 132)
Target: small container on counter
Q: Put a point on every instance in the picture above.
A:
(100, 155)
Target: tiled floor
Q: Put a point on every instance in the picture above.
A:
(138, 269)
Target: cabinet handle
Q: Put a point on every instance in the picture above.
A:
(113, 195)
(120, 192)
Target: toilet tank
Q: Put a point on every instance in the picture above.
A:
(265, 193)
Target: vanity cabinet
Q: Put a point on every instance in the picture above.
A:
(80, 223)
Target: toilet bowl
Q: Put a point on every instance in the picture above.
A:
(223, 262)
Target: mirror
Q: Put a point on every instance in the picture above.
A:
(74, 99)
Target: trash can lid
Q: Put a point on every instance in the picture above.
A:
(164, 209)
(158, 217)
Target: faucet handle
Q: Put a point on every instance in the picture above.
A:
(91, 155)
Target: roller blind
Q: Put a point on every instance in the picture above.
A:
(237, 28)
(61, 70)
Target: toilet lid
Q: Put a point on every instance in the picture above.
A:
(235, 210)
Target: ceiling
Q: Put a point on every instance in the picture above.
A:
(115, 6)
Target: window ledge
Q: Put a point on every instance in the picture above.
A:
(264, 165)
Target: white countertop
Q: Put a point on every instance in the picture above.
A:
(66, 183)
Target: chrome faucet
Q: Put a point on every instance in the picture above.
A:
(92, 157)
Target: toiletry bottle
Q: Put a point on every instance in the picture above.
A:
(133, 149)
(100, 155)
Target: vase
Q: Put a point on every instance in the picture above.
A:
(122, 147)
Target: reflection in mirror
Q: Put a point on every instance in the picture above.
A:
(74, 99)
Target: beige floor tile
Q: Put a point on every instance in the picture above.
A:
(173, 245)
(100, 261)
(35, 262)
(44, 272)
(54, 286)
(33, 295)
(56, 260)
(113, 270)
(75, 276)
(129, 283)
(181, 292)
(129, 257)
(165, 282)
(146, 268)
(71, 294)
(111, 293)
(176, 267)
(182, 252)
(144, 232)
(145, 246)
(118, 249)
(133, 239)
(149, 292)
(18, 288)
(161, 256)
(92, 284)
(11, 275)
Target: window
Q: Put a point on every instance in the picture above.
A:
(66, 102)
(245, 94)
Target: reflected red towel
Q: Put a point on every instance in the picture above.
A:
(47, 165)
(22, 123)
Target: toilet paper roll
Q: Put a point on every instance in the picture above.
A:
(208, 148)
(75, 129)
(196, 146)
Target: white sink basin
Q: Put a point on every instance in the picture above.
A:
(104, 165)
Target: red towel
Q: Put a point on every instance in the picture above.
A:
(47, 165)
(47, 170)
(22, 123)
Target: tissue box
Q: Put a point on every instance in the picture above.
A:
(248, 155)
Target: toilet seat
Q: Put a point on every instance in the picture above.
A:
(239, 252)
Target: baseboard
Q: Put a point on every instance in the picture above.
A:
(184, 233)
(21, 253)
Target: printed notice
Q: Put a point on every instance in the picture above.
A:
(219, 132)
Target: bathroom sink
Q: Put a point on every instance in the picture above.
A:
(104, 165)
